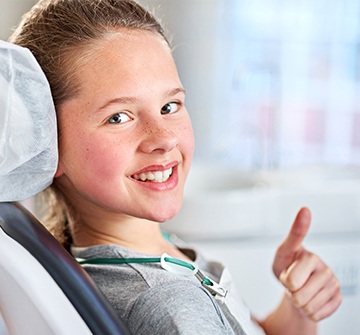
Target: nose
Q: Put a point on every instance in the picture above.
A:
(158, 137)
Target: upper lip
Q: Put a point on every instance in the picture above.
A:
(156, 167)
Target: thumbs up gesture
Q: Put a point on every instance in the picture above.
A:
(310, 284)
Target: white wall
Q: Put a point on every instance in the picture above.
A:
(10, 14)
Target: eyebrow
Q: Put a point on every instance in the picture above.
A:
(175, 91)
(130, 100)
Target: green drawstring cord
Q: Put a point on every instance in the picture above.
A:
(104, 261)
(109, 261)
(136, 260)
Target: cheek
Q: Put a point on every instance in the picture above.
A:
(105, 159)
(88, 157)
(188, 144)
(188, 137)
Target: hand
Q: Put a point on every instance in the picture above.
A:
(310, 283)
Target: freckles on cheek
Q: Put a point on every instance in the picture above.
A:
(188, 137)
(100, 162)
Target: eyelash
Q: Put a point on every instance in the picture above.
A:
(177, 104)
(117, 118)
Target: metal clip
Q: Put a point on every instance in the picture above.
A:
(190, 269)
(214, 288)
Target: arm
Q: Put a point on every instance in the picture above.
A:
(312, 290)
(288, 320)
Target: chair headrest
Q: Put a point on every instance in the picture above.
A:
(28, 131)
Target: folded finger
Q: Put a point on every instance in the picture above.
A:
(300, 271)
(316, 282)
(325, 302)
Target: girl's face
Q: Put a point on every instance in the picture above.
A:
(126, 140)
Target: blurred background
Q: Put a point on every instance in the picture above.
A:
(271, 83)
(273, 93)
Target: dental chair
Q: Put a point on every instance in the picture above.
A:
(43, 290)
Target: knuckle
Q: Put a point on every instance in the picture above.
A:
(329, 273)
(296, 300)
(289, 281)
(292, 283)
(315, 259)
(308, 310)
(315, 317)
(335, 284)
(338, 299)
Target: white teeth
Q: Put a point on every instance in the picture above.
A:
(167, 174)
(159, 176)
(156, 176)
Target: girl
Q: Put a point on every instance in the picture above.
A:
(125, 148)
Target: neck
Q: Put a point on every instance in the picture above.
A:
(140, 235)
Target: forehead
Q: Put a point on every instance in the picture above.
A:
(125, 52)
(123, 45)
(126, 63)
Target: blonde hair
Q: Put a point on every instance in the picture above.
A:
(58, 33)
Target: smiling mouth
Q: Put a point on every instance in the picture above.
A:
(154, 176)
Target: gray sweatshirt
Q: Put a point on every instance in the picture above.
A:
(151, 300)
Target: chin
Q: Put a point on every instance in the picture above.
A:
(164, 216)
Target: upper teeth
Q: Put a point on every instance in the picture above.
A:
(156, 176)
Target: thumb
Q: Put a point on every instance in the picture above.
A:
(292, 243)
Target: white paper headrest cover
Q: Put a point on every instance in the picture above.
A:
(28, 131)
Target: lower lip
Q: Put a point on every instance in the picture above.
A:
(170, 184)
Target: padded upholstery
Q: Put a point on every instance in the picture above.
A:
(43, 290)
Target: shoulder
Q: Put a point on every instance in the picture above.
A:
(153, 301)
(180, 307)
